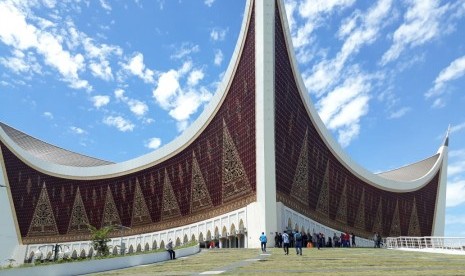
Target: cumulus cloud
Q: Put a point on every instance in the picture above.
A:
(21, 35)
(100, 100)
(77, 130)
(455, 70)
(47, 115)
(137, 107)
(184, 50)
(21, 63)
(119, 122)
(178, 92)
(209, 2)
(218, 34)
(105, 5)
(137, 67)
(218, 57)
(153, 143)
(422, 23)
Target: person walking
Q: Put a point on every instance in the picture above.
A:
(298, 243)
(263, 241)
(286, 243)
(169, 247)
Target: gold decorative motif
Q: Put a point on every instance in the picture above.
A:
(180, 174)
(123, 191)
(28, 186)
(43, 222)
(94, 197)
(200, 197)
(360, 219)
(323, 200)
(299, 189)
(395, 224)
(78, 221)
(378, 223)
(110, 213)
(235, 181)
(170, 206)
(140, 212)
(62, 194)
(341, 214)
(414, 224)
(152, 184)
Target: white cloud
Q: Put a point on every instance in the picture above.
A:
(137, 107)
(438, 103)
(168, 86)
(218, 57)
(194, 77)
(100, 100)
(209, 2)
(153, 143)
(119, 122)
(457, 128)
(218, 34)
(185, 50)
(455, 193)
(181, 101)
(455, 70)
(136, 67)
(16, 32)
(105, 5)
(77, 130)
(422, 23)
(48, 115)
(399, 113)
(456, 168)
(20, 63)
(187, 103)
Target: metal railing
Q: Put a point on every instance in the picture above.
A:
(442, 243)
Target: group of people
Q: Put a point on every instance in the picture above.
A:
(377, 239)
(301, 239)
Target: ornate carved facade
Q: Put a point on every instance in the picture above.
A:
(215, 170)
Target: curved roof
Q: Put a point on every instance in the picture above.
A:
(50, 153)
(412, 171)
(404, 179)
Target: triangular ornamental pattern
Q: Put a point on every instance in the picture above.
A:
(235, 180)
(414, 224)
(341, 214)
(43, 222)
(395, 224)
(79, 220)
(378, 223)
(299, 189)
(323, 200)
(360, 219)
(200, 197)
(170, 208)
(110, 213)
(140, 212)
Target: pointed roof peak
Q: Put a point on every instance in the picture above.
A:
(446, 140)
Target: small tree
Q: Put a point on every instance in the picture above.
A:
(100, 239)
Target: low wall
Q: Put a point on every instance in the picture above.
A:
(93, 266)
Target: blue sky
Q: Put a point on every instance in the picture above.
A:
(118, 79)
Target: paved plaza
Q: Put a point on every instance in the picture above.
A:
(328, 261)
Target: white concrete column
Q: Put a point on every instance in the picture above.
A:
(263, 218)
(9, 233)
(440, 212)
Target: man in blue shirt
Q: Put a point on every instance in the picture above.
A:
(263, 241)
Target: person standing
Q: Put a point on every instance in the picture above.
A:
(353, 240)
(286, 243)
(169, 247)
(263, 241)
(298, 243)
